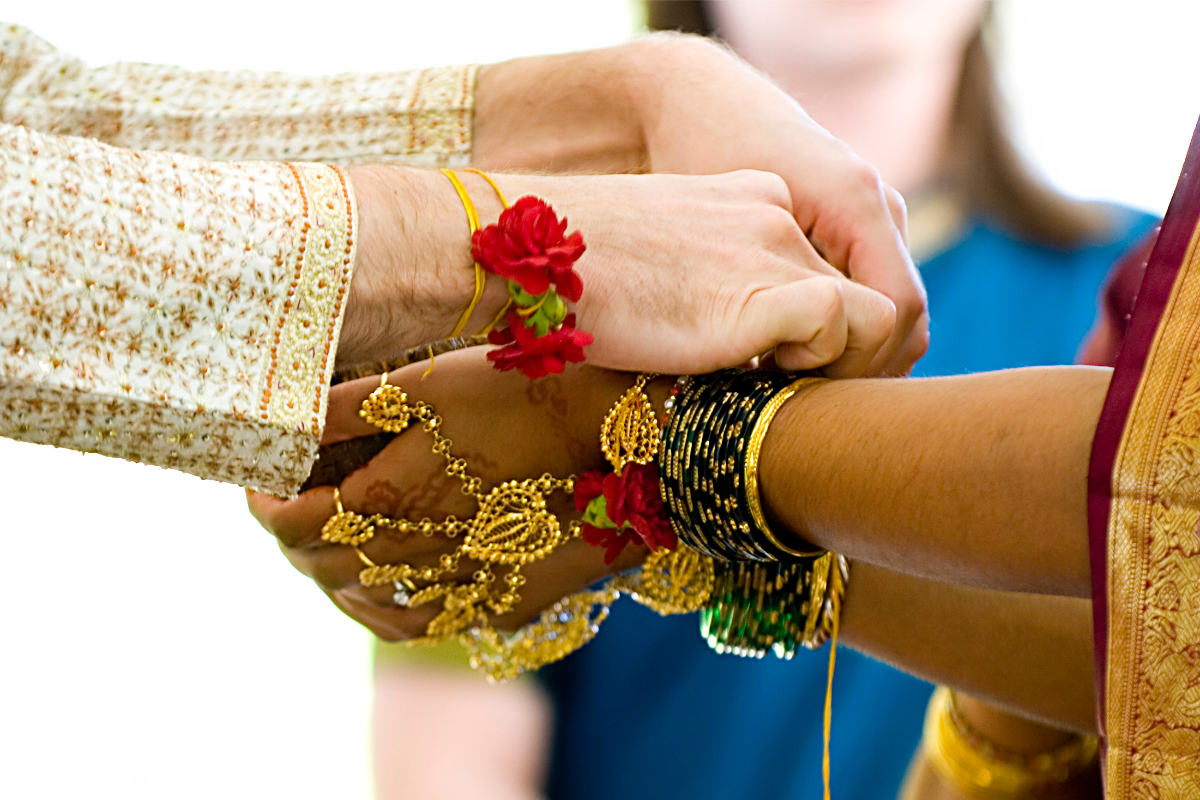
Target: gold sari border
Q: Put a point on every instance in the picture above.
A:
(1143, 488)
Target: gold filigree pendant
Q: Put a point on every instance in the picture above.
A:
(630, 430)
(513, 526)
(677, 581)
(387, 408)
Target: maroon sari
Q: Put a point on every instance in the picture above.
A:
(1144, 512)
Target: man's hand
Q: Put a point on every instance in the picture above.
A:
(682, 274)
(681, 104)
(712, 112)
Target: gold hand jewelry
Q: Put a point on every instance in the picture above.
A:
(630, 430)
(386, 407)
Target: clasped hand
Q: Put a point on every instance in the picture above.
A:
(506, 428)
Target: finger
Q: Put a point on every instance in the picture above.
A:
(906, 352)
(870, 322)
(342, 420)
(336, 566)
(862, 230)
(296, 522)
(823, 322)
(390, 624)
(804, 320)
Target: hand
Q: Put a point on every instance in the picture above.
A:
(683, 274)
(710, 112)
(505, 427)
(681, 104)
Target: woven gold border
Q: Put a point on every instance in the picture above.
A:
(1153, 677)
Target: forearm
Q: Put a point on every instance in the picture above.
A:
(977, 480)
(1028, 653)
(616, 109)
(563, 113)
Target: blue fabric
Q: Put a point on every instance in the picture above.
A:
(648, 712)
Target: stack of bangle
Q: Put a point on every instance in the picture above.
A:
(709, 463)
(759, 608)
(712, 436)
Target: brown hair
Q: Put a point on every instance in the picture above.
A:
(981, 161)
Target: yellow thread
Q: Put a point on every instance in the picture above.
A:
(504, 202)
(480, 277)
(528, 312)
(836, 614)
(495, 321)
(488, 178)
(425, 374)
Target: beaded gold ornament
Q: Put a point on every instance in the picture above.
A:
(630, 430)
(677, 581)
(512, 528)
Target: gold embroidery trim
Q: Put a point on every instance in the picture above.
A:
(1153, 681)
(295, 388)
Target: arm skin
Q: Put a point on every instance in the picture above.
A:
(1026, 653)
(996, 451)
(978, 480)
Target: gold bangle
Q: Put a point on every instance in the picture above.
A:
(980, 769)
(753, 450)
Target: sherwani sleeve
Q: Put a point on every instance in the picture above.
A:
(162, 307)
(419, 117)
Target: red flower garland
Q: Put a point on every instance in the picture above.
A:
(537, 356)
(529, 247)
(632, 505)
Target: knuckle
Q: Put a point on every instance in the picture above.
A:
(826, 301)
(896, 205)
(912, 307)
(867, 176)
(772, 189)
(774, 224)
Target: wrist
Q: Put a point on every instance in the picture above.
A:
(562, 113)
(413, 272)
(663, 71)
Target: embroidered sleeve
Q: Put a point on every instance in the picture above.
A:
(161, 308)
(419, 117)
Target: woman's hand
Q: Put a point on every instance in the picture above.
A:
(506, 428)
(682, 104)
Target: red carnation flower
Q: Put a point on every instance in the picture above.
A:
(527, 245)
(588, 487)
(537, 356)
(632, 498)
(632, 510)
(613, 540)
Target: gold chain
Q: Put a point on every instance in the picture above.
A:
(513, 527)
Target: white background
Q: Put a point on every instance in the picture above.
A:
(153, 643)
